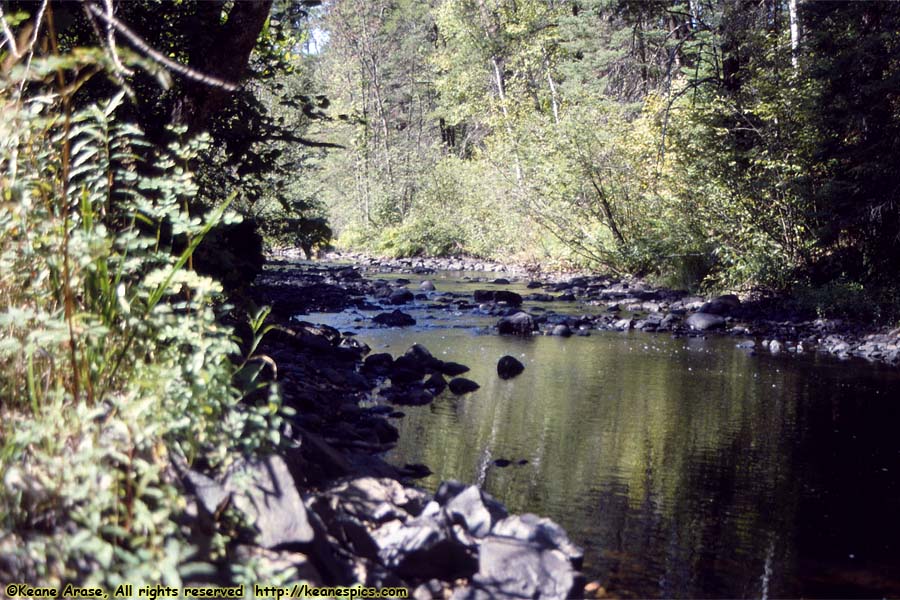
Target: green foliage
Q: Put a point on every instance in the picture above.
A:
(695, 143)
(113, 363)
(836, 299)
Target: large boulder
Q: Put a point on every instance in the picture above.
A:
(265, 492)
(520, 323)
(477, 511)
(508, 367)
(512, 568)
(721, 305)
(423, 548)
(701, 321)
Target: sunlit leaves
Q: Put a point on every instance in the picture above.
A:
(93, 499)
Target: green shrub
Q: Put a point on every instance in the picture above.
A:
(847, 299)
(113, 363)
(420, 237)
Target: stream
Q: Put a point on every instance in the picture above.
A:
(685, 467)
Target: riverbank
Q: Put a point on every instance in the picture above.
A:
(353, 518)
(773, 325)
(364, 520)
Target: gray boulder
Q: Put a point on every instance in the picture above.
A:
(701, 321)
(520, 323)
(561, 330)
(265, 492)
(512, 568)
(721, 305)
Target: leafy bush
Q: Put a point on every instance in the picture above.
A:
(113, 364)
(420, 237)
(849, 300)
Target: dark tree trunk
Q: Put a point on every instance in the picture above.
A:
(225, 57)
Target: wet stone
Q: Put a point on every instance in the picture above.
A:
(461, 385)
(509, 366)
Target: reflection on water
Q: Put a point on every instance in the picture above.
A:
(684, 467)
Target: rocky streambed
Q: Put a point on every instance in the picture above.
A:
(340, 514)
(768, 325)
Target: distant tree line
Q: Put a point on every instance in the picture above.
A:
(728, 144)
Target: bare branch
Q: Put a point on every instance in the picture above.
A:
(10, 38)
(111, 40)
(155, 55)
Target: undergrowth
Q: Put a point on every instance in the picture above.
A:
(113, 363)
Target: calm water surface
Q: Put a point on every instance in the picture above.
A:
(684, 467)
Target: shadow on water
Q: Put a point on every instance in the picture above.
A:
(685, 467)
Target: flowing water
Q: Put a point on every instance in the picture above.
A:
(685, 467)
